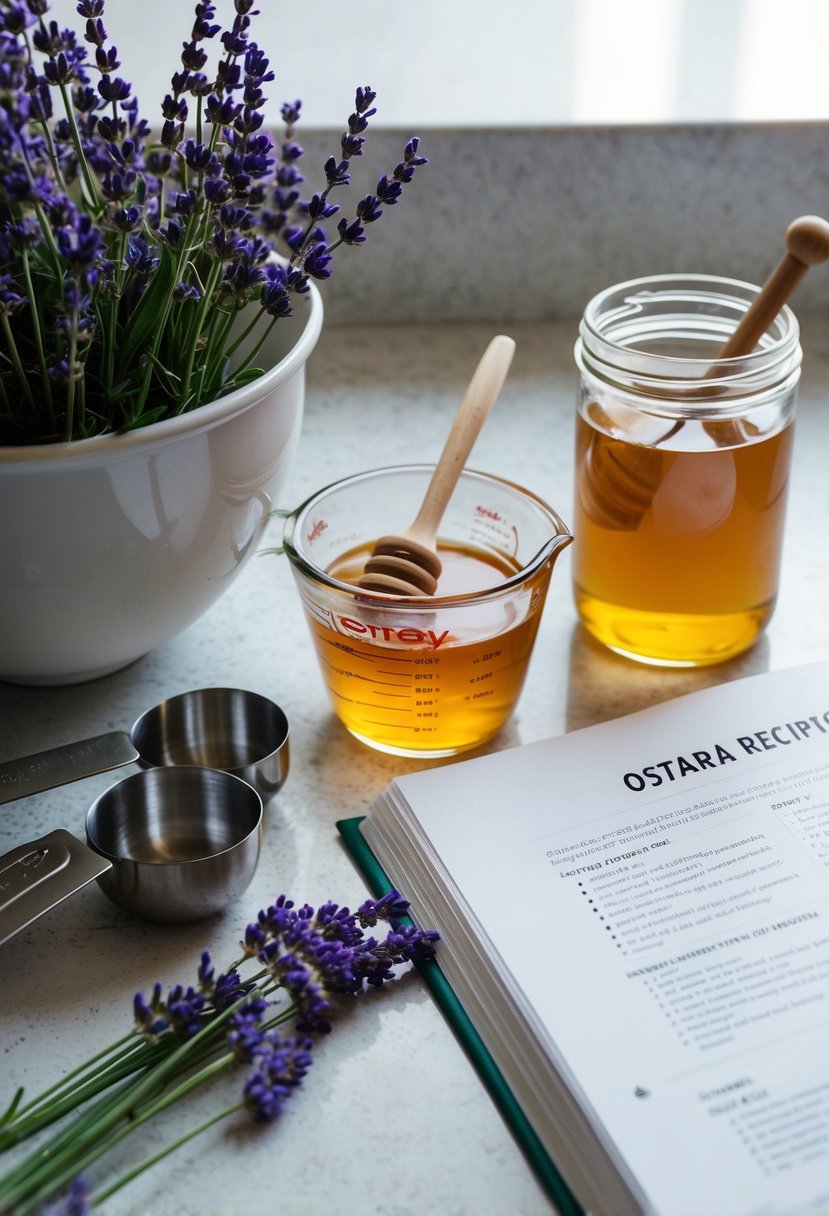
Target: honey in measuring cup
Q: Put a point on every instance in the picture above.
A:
(432, 681)
(425, 676)
(680, 482)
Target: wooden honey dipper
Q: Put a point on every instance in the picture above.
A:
(622, 479)
(408, 564)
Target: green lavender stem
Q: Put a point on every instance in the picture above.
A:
(102, 1195)
(15, 359)
(41, 355)
(69, 1162)
(249, 358)
(93, 1133)
(71, 386)
(77, 1087)
(90, 188)
(203, 305)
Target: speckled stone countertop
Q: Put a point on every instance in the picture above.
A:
(392, 1120)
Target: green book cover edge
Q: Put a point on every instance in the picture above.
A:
(446, 1000)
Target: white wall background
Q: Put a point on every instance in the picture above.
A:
(487, 62)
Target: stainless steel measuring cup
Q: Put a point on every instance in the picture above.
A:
(170, 844)
(240, 732)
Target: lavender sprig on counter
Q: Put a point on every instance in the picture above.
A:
(129, 249)
(308, 967)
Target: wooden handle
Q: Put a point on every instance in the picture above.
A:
(807, 244)
(478, 400)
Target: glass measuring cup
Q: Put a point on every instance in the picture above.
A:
(424, 676)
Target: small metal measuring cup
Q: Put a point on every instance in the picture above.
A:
(182, 842)
(240, 732)
(176, 841)
(167, 844)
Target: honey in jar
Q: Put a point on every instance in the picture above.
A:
(681, 469)
(693, 578)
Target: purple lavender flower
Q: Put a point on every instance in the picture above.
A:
(280, 285)
(95, 32)
(291, 151)
(203, 25)
(20, 236)
(222, 111)
(149, 1019)
(317, 262)
(194, 57)
(228, 246)
(319, 209)
(338, 924)
(350, 234)
(118, 186)
(113, 88)
(75, 1202)
(184, 1007)
(290, 112)
(221, 990)
(81, 244)
(139, 257)
(245, 1033)
(60, 70)
(318, 957)
(173, 234)
(125, 219)
(411, 160)
(199, 157)
(240, 278)
(368, 209)
(60, 371)
(391, 907)
(186, 291)
(85, 99)
(51, 40)
(11, 296)
(284, 1062)
(280, 916)
(174, 109)
(106, 59)
(389, 192)
(336, 172)
(15, 19)
(184, 202)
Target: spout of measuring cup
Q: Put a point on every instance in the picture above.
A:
(545, 559)
(561, 538)
(560, 542)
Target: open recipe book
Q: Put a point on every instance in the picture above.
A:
(635, 920)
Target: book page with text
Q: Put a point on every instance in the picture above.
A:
(657, 888)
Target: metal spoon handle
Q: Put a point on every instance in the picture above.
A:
(59, 765)
(35, 877)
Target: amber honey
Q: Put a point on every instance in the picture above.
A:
(440, 680)
(690, 576)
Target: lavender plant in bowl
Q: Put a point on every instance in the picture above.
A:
(158, 304)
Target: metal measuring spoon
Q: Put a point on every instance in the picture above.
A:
(171, 845)
(240, 732)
